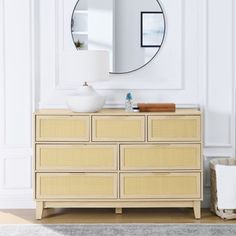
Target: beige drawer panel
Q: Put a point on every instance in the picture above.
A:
(118, 128)
(151, 157)
(79, 185)
(76, 157)
(160, 185)
(62, 128)
(174, 128)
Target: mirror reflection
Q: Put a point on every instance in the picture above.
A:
(131, 30)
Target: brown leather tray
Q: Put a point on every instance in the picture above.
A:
(156, 107)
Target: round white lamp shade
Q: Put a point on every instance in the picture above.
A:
(86, 66)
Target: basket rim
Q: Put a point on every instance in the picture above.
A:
(231, 161)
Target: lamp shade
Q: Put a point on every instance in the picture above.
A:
(86, 66)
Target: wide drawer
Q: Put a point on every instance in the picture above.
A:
(118, 128)
(77, 185)
(160, 185)
(162, 156)
(62, 128)
(76, 157)
(174, 128)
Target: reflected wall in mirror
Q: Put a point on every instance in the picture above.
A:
(131, 30)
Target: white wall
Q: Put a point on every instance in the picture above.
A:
(16, 103)
(195, 66)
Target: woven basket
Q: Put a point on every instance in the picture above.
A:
(223, 213)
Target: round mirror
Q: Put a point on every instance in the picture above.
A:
(131, 30)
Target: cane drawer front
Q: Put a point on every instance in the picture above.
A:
(62, 128)
(76, 185)
(118, 128)
(160, 156)
(76, 157)
(174, 128)
(160, 185)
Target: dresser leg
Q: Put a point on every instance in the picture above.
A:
(197, 209)
(39, 210)
(118, 210)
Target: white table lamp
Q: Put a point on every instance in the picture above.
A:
(88, 66)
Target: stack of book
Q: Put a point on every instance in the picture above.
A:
(156, 107)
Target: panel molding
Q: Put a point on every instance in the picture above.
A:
(33, 62)
(19, 193)
(217, 145)
(234, 75)
(183, 47)
(206, 60)
(18, 76)
(231, 120)
(3, 76)
(12, 158)
(35, 47)
(112, 85)
(13, 154)
(34, 55)
(59, 19)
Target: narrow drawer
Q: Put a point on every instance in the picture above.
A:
(79, 185)
(62, 128)
(118, 128)
(174, 128)
(163, 156)
(160, 185)
(76, 157)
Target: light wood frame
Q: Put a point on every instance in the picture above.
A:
(174, 139)
(95, 175)
(162, 175)
(118, 203)
(84, 118)
(122, 118)
(124, 147)
(66, 168)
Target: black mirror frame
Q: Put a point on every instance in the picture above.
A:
(164, 36)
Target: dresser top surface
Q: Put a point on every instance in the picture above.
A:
(115, 111)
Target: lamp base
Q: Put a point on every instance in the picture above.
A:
(86, 101)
